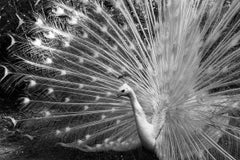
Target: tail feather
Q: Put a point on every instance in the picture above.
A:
(72, 65)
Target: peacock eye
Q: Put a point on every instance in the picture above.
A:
(123, 90)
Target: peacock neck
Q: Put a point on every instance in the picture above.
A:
(137, 108)
(144, 128)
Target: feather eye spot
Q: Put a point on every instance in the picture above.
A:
(123, 69)
(98, 145)
(86, 108)
(63, 72)
(48, 61)
(118, 121)
(114, 47)
(39, 22)
(140, 67)
(113, 109)
(118, 4)
(210, 70)
(94, 79)
(106, 140)
(73, 20)
(87, 136)
(49, 35)
(98, 9)
(111, 143)
(67, 99)
(84, 1)
(225, 69)
(108, 94)
(32, 83)
(37, 42)
(81, 60)
(66, 44)
(81, 86)
(97, 98)
(26, 101)
(58, 11)
(50, 91)
(103, 117)
(95, 54)
(104, 29)
(67, 129)
(80, 142)
(109, 70)
(46, 113)
(131, 46)
(119, 139)
(125, 143)
(235, 105)
(84, 35)
(125, 27)
(58, 132)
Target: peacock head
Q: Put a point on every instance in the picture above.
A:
(124, 90)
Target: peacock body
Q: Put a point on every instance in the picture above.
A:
(173, 63)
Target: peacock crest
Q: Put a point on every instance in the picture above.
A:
(177, 62)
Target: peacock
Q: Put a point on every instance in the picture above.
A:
(118, 74)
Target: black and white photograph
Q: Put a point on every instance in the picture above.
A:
(119, 79)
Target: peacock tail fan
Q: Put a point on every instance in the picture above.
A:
(181, 57)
